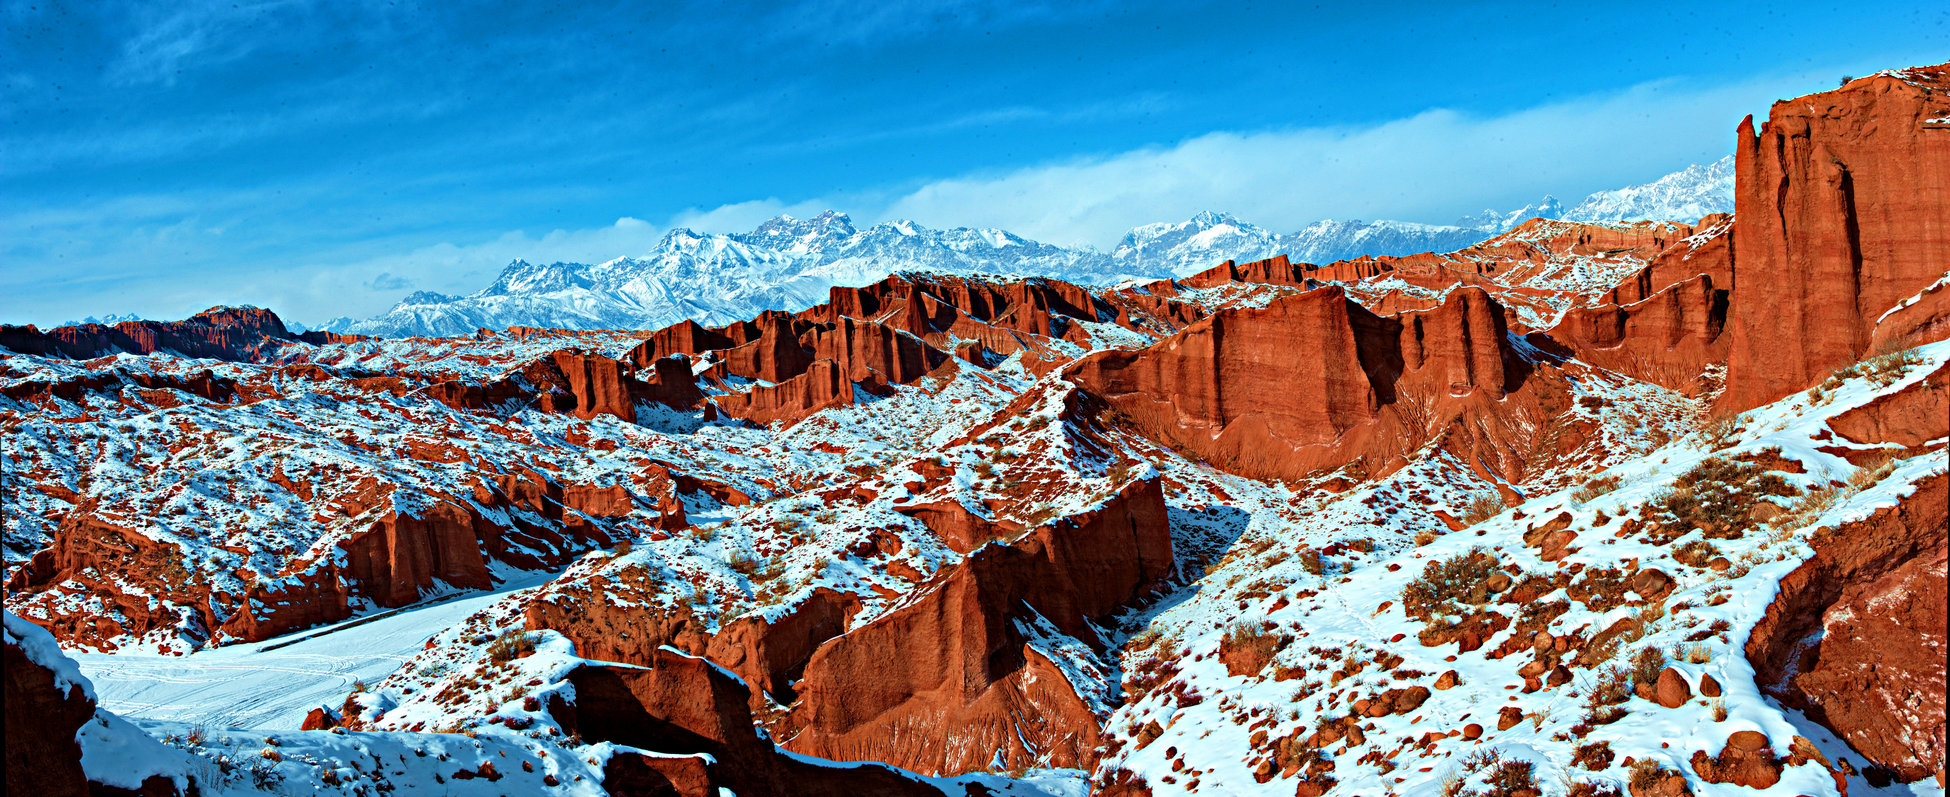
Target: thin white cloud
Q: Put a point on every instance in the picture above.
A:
(173, 37)
(742, 216)
(1434, 166)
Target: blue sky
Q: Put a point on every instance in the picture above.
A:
(325, 158)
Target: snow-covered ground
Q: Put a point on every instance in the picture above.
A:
(270, 685)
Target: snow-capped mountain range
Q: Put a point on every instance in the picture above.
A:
(790, 264)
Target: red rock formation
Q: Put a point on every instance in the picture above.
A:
(1668, 338)
(319, 337)
(1856, 635)
(1745, 760)
(1314, 381)
(1910, 418)
(823, 385)
(961, 529)
(1843, 201)
(769, 656)
(895, 331)
(1504, 264)
(950, 667)
(391, 562)
(671, 383)
(42, 755)
(205, 385)
(773, 352)
(90, 549)
(1277, 270)
(1248, 387)
(870, 352)
(219, 333)
(403, 554)
(1710, 252)
(599, 384)
(683, 337)
(678, 704)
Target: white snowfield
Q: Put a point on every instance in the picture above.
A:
(271, 685)
(790, 264)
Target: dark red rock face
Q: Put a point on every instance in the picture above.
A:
(219, 333)
(676, 704)
(1843, 208)
(1856, 636)
(42, 756)
(945, 683)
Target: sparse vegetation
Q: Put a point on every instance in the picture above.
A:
(1721, 431)
(1889, 368)
(1310, 559)
(1646, 665)
(1611, 687)
(1646, 775)
(1872, 472)
(1695, 653)
(1482, 508)
(1444, 584)
(1512, 776)
(1594, 488)
(1595, 756)
(1695, 553)
(1716, 496)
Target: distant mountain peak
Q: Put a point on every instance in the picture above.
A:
(1684, 195)
(788, 263)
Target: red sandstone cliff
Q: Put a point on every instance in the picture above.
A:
(1856, 635)
(947, 683)
(1842, 203)
(1313, 381)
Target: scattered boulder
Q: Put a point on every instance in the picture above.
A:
(1672, 691)
(1745, 760)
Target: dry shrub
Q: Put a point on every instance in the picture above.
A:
(1871, 472)
(1600, 589)
(1612, 687)
(1646, 665)
(1595, 488)
(1717, 496)
(1696, 553)
(1482, 508)
(1513, 776)
(1595, 756)
(509, 645)
(1646, 774)
(1889, 368)
(1721, 431)
(1460, 579)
